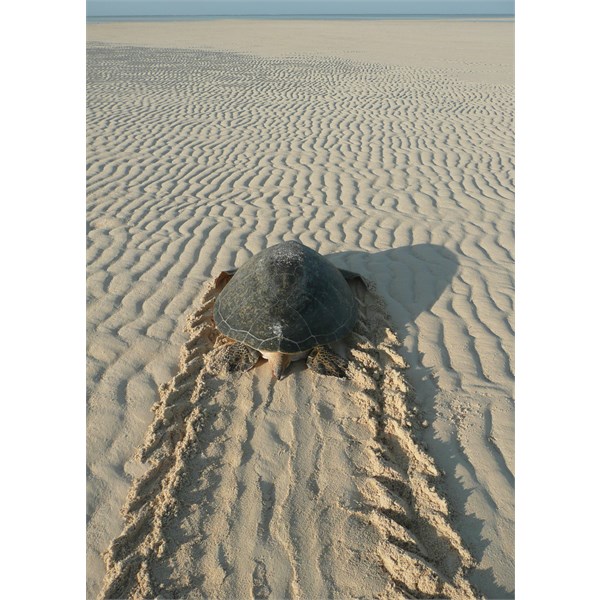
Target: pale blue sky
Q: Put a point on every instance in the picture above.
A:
(244, 7)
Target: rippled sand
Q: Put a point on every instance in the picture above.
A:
(210, 141)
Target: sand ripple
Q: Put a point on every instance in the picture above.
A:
(199, 159)
(315, 486)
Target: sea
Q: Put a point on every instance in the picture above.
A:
(336, 17)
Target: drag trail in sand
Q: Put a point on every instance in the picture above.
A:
(199, 158)
(307, 487)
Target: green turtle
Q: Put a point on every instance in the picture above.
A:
(285, 303)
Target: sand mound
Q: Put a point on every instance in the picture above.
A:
(307, 487)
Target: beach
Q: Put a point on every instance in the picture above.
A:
(386, 146)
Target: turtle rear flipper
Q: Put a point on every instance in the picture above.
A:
(325, 361)
(234, 357)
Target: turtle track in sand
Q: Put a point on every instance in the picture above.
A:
(308, 487)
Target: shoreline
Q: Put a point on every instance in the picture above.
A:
(481, 51)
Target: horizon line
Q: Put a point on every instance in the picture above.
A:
(319, 15)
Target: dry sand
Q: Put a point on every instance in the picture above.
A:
(388, 145)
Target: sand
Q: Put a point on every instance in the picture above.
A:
(387, 146)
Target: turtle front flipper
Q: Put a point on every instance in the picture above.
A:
(325, 361)
(234, 357)
(352, 276)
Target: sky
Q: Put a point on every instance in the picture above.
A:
(266, 7)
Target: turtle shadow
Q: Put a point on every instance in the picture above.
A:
(411, 280)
